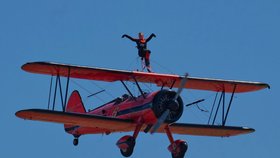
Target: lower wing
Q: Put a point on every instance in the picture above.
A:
(110, 124)
(206, 130)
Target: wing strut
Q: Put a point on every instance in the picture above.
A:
(58, 84)
(222, 105)
(212, 108)
(229, 105)
(54, 96)
(60, 88)
(139, 88)
(50, 92)
(128, 90)
(172, 84)
(67, 87)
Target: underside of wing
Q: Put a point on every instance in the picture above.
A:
(77, 119)
(207, 130)
(121, 125)
(165, 80)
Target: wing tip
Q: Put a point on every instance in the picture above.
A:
(249, 130)
(267, 85)
(21, 114)
(26, 113)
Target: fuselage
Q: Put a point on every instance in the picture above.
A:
(126, 107)
(146, 108)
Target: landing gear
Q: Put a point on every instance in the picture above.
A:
(177, 148)
(127, 143)
(76, 140)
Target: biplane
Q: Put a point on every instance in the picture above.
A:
(150, 112)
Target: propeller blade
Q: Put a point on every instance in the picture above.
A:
(181, 87)
(160, 121)
(163, 117)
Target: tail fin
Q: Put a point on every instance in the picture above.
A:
(75, 103)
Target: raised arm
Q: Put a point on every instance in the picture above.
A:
(132, 39)
(150, 37)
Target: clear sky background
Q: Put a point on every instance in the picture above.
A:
(227, 39)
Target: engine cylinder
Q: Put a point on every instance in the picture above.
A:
(164, 100)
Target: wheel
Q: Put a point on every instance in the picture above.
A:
(128, 152)
(183, 147)
(75, 141)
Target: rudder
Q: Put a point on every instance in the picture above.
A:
(75, 103)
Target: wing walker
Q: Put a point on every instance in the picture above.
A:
(151, 112)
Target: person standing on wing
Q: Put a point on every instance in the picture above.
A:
(143, 52)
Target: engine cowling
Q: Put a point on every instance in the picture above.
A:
(164, 100)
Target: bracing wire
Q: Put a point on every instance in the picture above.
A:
(85, 89)
(102, 88)
(133, 62)
(206, 113)
(148, 87)
(162, 67)
(79, 85)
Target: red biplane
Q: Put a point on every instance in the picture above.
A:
(153, 112)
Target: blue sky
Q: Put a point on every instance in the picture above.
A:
(216, 39)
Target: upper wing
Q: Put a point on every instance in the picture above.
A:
(206, 130)
(167, 80)
(83, 120)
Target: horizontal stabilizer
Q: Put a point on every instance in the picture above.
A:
(206, 130)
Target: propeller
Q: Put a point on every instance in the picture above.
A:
(172, 104)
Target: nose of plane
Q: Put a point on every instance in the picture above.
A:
(164, 100)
